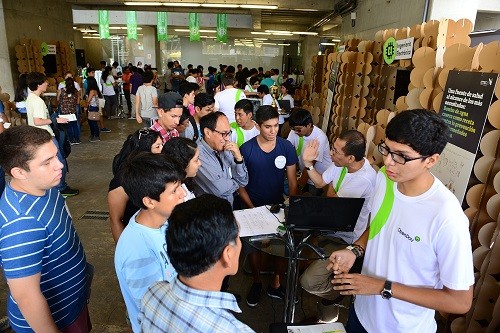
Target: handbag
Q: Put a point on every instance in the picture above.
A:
(93, 115)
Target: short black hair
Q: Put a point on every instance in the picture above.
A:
(228, 79)
(35, 79)
(148, 174)
(264, 113)
(141, 140)
(187, 87)
(18, 146)
(245, 105)
(203, 99)
(230, 69)
(254, 79)
(181, 149)
(300, 117)
(210, 121)
(423, 130)
(198, 232)
(263, 89)
(355, 144)
(148, 76)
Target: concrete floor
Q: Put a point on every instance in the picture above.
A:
(90, 172)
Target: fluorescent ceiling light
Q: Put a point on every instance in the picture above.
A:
(259, 6)
(91, 37)
(336, 40)
(304, 33)
(305, 9)
(328, 44)
(260, 38)
(88, 30)
(282, 34)
(268, 43)
(187, 30)
(284, 44)
(124, 28)
(143, 3)
(259, 33)
(218, 5)
(279, 31)
(181, 4)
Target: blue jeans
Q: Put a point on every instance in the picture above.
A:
(353, 325)
(62, 185)
(2, 181)
(73, 131)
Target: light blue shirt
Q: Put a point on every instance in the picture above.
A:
(140, 260)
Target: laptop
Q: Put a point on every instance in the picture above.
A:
(323, 213)
(284, 105)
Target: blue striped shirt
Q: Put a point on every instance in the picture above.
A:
(177, 308)
(37, 236)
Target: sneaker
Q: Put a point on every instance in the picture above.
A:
(94, 139)
(253, 297)
(77, 142)
(71, 144)
(105, 130)
(69, 192)
(278, 293)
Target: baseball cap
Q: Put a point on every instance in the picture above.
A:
(169, 101)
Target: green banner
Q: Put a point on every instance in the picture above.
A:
(222, 28)
(104, 24)
(161, 25)
(194, 27)
(131, 25)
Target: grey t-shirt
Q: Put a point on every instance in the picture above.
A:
(146, 95)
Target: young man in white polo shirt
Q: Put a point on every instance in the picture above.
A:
(243, 129)
(226, 99)
(417, 250)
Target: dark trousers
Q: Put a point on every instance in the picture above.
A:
(129, 102)
(94, 128)
(353, 325)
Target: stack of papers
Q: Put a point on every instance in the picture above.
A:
(256, 221)
(320, 328)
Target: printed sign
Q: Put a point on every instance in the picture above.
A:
(404, 49)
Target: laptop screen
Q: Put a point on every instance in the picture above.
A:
(323, 213)
(284, 104)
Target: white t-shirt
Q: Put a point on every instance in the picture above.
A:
(62, 84)
(225, 101)
(191, 79)
(36, 108)
(425, 242)
(247, 134)
(268, 100)
(146, 95)
(97, 76)
(357, 184)
(107, 87)
(323, 161)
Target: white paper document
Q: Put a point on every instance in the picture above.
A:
(256, 221)
(70, 116)
(320, 328)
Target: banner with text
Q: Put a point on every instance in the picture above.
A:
(161, 25)
(104, 24)
(131, 25)
(466, 100)
(221, 28)
(194, 27)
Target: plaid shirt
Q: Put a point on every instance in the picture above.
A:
(164, 134)
(175, 307)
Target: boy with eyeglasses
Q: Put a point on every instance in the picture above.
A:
(417, 249)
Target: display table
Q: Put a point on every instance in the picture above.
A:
(289, 246)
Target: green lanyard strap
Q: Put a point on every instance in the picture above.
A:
(341, 178)
(300, 146)
(238, 95)
(384, 211)
(240, 138)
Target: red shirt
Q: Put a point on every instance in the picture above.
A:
(164, 134)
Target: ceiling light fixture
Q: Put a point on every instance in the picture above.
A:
(328, 44)
(336, 40)
(310, 33)
(259, 6)
(279, 31)
(180, 4)
(143, 3)
(260, 33)
(283, 44)
(219, 5)
(202, 30)
(304, 9)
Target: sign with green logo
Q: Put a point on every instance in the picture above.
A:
(222, 28)
(131, 25)
(44, 49)
(390, 47)
(161, 25)
(194, 27)
(104, 24)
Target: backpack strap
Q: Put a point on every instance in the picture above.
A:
(196, 132)
(300, 146)
(384, 211)
(240, 137)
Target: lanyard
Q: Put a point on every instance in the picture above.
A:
(341, 178)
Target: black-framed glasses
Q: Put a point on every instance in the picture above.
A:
(223, 134)
(397, 157)
(335, 151)
(144, 131)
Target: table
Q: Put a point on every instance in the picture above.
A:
(289, 246)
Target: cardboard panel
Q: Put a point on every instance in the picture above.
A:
(489, 59)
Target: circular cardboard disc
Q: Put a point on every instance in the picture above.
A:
(473, 196)
(482, 166)
(493, 207)
(478, 256)
(489, 143)
(494, 113)
(496, 182)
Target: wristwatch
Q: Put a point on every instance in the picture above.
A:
(310, 168)
(354, 250)
(387, 291)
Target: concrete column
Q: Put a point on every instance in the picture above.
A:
(6, 77)
(450, 9)
(309, 48)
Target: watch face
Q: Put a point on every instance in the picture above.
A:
(386, 294)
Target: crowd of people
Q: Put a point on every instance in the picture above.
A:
(202, 153)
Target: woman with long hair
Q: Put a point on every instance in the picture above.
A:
(187, 153)
(121, 208)
(69, 100)
(21, 94)
(108, 90)
(93, 95)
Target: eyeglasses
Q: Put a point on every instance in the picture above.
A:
(335, 151)
(143, 132)
(224, 134)
(397, 157)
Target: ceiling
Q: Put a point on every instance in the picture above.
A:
(311, 16)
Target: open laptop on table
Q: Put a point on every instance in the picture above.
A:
(323, 213)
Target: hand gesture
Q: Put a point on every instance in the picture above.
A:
(341, 261)
(310, 152)
(357, 284)
(233, 148)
